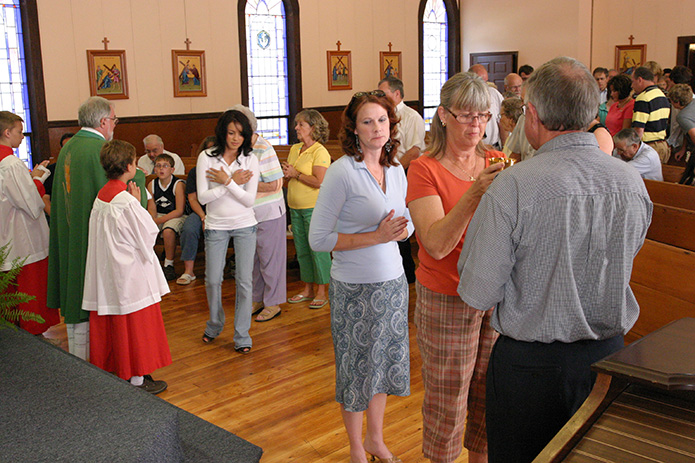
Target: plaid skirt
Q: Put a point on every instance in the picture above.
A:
(369, 324)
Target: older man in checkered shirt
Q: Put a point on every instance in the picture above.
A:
(551, 246)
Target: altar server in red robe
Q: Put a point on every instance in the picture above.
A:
(23, 225)
(123, 279)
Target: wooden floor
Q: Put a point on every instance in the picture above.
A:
(281, 395)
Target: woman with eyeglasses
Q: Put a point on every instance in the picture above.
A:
(444, 189)
(360, 215)
(305, 168)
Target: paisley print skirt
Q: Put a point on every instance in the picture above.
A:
(369, 324)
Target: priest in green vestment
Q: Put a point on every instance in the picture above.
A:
(78, 178)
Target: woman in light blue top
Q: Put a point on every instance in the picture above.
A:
(360, 214)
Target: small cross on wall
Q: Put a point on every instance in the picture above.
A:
(106, 43)
(188, 43)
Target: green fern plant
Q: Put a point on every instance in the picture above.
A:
(9, 314)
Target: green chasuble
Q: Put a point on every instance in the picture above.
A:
(78, 178)
(139, 180)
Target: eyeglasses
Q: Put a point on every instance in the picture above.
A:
(467, 118)
(114, 119)
(161, 166)
(373, 92)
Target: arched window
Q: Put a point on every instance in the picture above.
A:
(270, 76)
(14, 88)
(439, 51)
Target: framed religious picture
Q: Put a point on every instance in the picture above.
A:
(390, 64)
(339, 70)
(629, 57)
(107, 74)
(189, 71)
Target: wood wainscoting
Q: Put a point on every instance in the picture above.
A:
(181, 133)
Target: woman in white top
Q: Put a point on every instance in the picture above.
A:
(227, 178)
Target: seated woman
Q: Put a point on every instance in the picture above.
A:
(360, 214)
(444, 190)
(194, 224)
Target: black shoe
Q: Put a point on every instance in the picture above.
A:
(153, 386)
(169, 273)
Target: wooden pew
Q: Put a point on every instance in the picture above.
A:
(671, 194)
(662, 277)
(673, 226)
(672, 174)
(664, 269)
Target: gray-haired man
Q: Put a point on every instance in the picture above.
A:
(551, 246)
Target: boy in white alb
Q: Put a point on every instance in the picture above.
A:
(23, 225)
(123, 279)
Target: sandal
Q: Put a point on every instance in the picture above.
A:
(269, 313)
(256, 308)
(185, 279)
(297, 298)
(318, 303)
(207, 339)
(243, 350)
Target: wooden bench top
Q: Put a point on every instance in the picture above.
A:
(672, 174)
(671, 194)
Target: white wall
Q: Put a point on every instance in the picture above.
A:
(539, 30)
(149, 29)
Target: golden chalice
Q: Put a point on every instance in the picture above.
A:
(508, 162)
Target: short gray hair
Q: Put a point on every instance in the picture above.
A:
(394, 84)
(466, 91)
(153, 138)
(564, 93)
(629, 136)
(246, 111)
(92, 111)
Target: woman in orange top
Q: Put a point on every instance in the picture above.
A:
(455, 340)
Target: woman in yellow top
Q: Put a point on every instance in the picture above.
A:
(305, 167)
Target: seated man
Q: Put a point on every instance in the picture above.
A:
(167, 207)
(638, 154)
(154, 146)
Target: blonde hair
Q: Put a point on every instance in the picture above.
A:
(466, 91)
(8, 120)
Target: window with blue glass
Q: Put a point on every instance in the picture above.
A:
(14, 94)
(266, 48)
(435, 56)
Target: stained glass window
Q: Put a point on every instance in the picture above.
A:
(266, 47)
(14, 94)
(435, 56)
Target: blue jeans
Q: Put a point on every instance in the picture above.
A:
(190, 235)
(216, 242)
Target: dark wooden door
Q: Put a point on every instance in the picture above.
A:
(498, 65)
(685, 54)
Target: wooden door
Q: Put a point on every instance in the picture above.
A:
(498, 65)
(685, 54)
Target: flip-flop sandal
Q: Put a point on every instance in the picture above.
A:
(297, 298)
(317, 303)
(243, 350)
(207, 339)
(268, 314)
